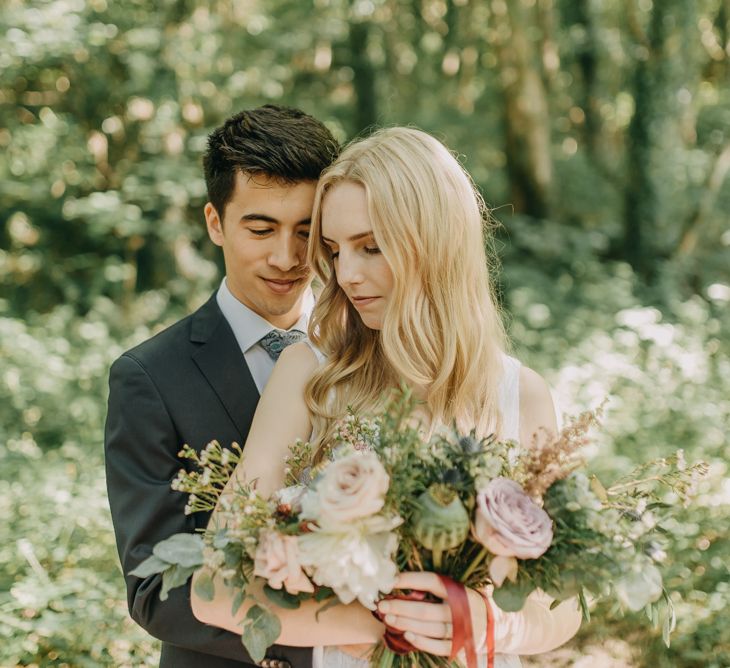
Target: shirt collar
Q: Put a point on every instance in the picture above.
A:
(249, 327)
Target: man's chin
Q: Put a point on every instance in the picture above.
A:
(279, 306)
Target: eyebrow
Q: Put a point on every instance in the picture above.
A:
(354, 237)
(263, 218)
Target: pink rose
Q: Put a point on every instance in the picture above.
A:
(509, 523)
(277, 561)
(351, 488)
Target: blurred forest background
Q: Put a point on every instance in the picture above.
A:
(599, 130)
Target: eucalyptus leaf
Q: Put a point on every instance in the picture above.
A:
(511, 597)
(150, 566)
(204, 586)
(282, 598)
(220, 540)
(260, 631)
(173, 577)
(237, 601)
(183, 549)
(232, 555)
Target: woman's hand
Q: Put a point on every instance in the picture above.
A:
(428, 626)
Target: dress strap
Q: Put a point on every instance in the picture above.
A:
(509, 398)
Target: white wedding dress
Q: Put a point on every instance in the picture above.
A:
(533, 630)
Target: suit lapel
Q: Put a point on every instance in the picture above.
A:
(220, 360)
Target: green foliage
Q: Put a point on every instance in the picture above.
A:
(261, 628)
(105, 109)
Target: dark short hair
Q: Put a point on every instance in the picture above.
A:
(279, 142)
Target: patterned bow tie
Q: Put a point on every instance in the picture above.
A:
(276, 340)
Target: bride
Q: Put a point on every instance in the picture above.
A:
(398, 241)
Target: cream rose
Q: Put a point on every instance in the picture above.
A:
(350, 488)
(509, 523)
(277, 561)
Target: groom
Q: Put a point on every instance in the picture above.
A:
(201, 378)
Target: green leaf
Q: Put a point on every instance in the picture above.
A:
(670, 620)
(511, 596)
(326, 606)
(323, 593)
(237, 602)
(173, 577)
(598, 489)
(282, 598)
(204, 586)
(232, 554)
(183, 549)
(584, 605)
(260, 631)
(220, 540)
(153, 564)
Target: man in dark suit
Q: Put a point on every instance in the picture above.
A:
(201, 378)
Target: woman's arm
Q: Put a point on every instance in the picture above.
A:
(536, 628)
(281, 418)
(533, 630)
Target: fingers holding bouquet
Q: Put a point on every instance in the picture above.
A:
(437, 616)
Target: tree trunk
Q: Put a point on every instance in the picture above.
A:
(526, 116)
(365, 113)
(641, 202)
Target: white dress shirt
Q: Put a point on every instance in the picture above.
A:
(249, 328)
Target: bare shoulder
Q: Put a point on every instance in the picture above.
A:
(537, 411)
(296, 360)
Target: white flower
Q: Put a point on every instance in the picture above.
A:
(290, 496)
(357, 562)
(350, 488)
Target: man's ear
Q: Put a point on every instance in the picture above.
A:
(214, 224)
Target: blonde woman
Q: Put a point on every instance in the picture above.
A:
(397, 239)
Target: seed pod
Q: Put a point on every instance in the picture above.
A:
(440, 522)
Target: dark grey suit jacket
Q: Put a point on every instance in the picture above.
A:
(189, 384)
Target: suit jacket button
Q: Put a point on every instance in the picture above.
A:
(266, 663)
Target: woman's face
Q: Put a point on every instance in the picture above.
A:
(360, 267)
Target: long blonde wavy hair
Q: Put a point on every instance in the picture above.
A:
(442, 330)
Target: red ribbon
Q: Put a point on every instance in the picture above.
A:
(463, 633)
(463, 637)
(393, 638)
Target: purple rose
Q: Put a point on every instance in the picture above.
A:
(509, 523)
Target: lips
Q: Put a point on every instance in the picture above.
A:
(359, 302)
(282, 286)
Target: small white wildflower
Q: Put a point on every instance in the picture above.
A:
(205, 478)
(225, 457)
(681, 461)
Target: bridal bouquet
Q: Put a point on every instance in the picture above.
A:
(384, 499)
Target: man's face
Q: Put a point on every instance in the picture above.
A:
(263, 235)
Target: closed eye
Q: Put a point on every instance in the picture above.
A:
(260, 233)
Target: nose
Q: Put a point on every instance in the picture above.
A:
(349, 271)
(287, 253)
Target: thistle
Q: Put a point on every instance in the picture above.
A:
(440, 521)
